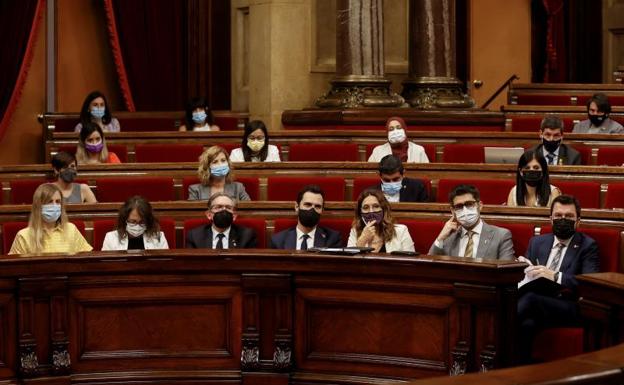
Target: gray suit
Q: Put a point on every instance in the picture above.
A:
(494, 243)
(609, 126)
(235, 189)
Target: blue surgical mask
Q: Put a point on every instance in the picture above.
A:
(199, 117)
(98, 112)
(221, 170)
(51, 212)
(391, 188)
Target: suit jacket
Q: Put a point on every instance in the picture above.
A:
(402, 240)
(235, 189)
(240, 237)
(581, 257)
(568, 155)
(412, 190)
(609, 126)
(112, 242)
(324, 237)
(494, 243)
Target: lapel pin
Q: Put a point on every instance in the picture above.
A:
(576, 246)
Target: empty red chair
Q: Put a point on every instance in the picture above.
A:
(65, 124)
(610, 156)
(286, 188)
(229, 123)
(22, 190)
(493, 191)
(544, 99)
(430, 150)
(120, 189)
(329, 152)
(588, 193)
(557, 343)
(157, 153)
(463, 153)
(586, 153)
(9, 231)
(615, 196)
(252, 185)
(152, 123)
(423, 232)
(521, 233)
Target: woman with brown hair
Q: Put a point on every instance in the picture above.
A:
(137, 228)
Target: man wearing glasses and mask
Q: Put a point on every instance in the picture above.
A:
(221, 233)
(466, 235)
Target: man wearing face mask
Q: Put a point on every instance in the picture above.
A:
(307, 233)
(398, 144)
(557, 257)
(598, 122)
(466, 235)
(552, 146)
(221, 233)
(397, 188)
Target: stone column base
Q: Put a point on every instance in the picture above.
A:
(435, 92)
(360, 91)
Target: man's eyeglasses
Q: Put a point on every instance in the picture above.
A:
(217, 208)
(467, 204)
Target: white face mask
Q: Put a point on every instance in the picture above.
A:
(396, 136)
(135, 229)
(467, 217)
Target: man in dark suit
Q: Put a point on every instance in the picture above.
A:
(397, 188)
(552, 147)
(307, 233)
(555, 257)
(221, 233)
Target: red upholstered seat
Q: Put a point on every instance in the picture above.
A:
(423, 232)
(329, 152)
(119, 149)
(286, 188)
(258, 224)
(227, 123)
(463, 153)
(493, 191)
(545, 99)
(586, 153)
(610, 156)
(120, 189)
(557, 343)
(22, 190)
(412, 127)
(10, 230)
(615, 196)
(103, 226)
(156, 153)
(531, 123)
(521, 233)
(252, 186)
(430, 150)
(342, 225)
(136, 124)
(65, 124)
(588, 193)
(190, 224)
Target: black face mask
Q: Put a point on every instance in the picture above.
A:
(223, 219)
(68, 175)
(563, 228)
(532, 177)
(309, 218)
(597, 120)
(551, 145)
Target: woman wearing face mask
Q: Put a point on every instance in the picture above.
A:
(92, 146)
(95, 109)
(198, 117)
(255, 146)
(374, 226)
(215, 175)
(65, 168)
(48, 229)
(137, 228)
(533, 187)
(398, 144)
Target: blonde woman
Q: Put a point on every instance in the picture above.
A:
(215, 175)
(373, 225)
(48, 230)
(92, 146)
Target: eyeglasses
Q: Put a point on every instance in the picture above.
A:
(217, 208)
(467, 204)
(566, 216)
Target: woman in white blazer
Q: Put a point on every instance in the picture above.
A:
(374, 226)
(137, 228)
(255, 146)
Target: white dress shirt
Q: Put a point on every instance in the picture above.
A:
(300, 238)
(215, 238)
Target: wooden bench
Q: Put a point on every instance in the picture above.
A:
(562, 93)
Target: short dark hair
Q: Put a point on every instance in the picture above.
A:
(551, 121)
(464, 189)
(567, 200)
(311, 188)
(63, 159)
(192, 105)
(602, 102)
(85, 110)
(390, 164)
(152, 228)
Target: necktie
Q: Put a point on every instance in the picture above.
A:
(220, 237)
(554, 264)
(551, 158)
(304, 241)
(469, 245)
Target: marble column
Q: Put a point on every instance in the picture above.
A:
(432, 81)
(359, 80)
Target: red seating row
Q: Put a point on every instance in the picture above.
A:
(144, 124)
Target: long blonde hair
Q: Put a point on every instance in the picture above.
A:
(81, 151)
(42, 196)
(203, 171)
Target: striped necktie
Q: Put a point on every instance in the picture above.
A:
(469, 245)
(554, 264)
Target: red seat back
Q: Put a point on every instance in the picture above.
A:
(9, 231)
(156, 153)
(228, 123)
(362, 183)
(22, 190)
(463, 153)
(610, 156)
(493, 191)
(543, 99)
(286, 188)
(424, 232)
(532, 122)
(100, 228)
(120, 189)
(568, 343)
(430, 150)
(119, 149)
(588, 193)
(521, 233)
(329, 152)
(615, 196)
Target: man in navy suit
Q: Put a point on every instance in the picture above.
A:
(397, 188)
(556, 257)
(309, 207)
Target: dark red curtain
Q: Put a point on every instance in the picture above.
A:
(19, 22)
(555, 70)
